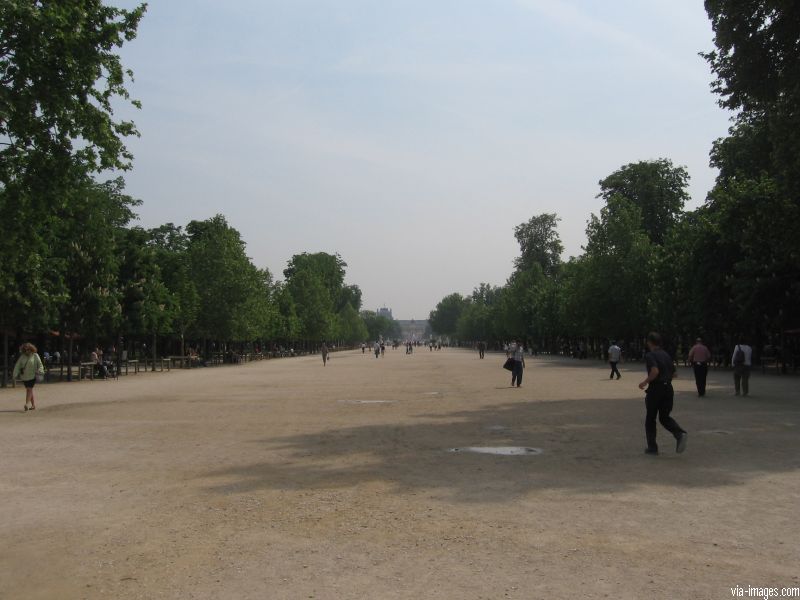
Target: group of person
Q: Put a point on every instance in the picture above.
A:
(699, 357)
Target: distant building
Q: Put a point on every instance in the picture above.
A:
(414, 330)
(385, 312)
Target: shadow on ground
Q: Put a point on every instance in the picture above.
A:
(589, 447)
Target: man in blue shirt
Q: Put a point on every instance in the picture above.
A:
(660, 395)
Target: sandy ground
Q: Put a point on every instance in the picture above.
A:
(270, 480)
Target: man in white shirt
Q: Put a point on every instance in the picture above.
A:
(614, 356)
(518, 354)
(742, 361)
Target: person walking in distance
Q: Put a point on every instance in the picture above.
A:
(742, 364)
(324, 354)
(614, 356)
(481, 350)
(27, 368)
(699, 356)
(660, 395)
(518, 354)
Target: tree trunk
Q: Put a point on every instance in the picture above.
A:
(5, 358)
(69, 359)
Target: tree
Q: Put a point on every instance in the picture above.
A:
(330, 271)
(171, 246)
(147, 306)
(378, 326)
(93, 230)
(350, 327)
(59, 77)
(444, 318)
(313, 304)
(757, 64)
(619, 272)
(656, 187)
(288, 323)
(539, 244)
(755, 203)
(223, 276)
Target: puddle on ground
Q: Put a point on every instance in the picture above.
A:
(500, 450)
(367, 401)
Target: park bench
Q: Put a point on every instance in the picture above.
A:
(769, 361)
(86, 369)
(157, 362)
(127, 363)
(184, 361)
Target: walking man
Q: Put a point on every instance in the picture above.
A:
(614, 356)
(518, 354)
(699, 357)
(324, 354)
(482, 349)
(742, 363)
(660, 395)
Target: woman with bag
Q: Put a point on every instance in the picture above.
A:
(29, 369)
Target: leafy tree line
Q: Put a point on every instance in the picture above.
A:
(72, 261)
(729, 269)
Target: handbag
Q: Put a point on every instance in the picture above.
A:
(509, 365)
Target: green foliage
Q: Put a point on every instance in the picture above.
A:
(619, 269)
(379, 326)
(231, 291)
(313, 304)
(656, 187)
(92, 225)
(350, 327)
(59, 76)
(147, 306)
(171, 249)
(539, 244)
(444, 318)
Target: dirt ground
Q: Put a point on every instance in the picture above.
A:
(284, 479)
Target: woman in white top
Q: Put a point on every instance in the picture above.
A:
(27, 368)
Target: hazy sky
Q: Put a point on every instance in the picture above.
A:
(411, 136)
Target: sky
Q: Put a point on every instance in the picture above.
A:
(410, 136)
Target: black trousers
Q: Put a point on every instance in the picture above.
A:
(614, 370)
(700, 376)
(658, 401)
(741, 379)
(481, 352)
(516, 374)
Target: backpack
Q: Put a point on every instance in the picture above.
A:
(738, 357)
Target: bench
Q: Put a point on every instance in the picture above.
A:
(84, 367)
(769, 361)
(185, 361)
(160, 362)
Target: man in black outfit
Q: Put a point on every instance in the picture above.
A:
(659, 397)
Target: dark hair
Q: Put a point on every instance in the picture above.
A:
(654, 338)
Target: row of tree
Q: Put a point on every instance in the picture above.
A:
(70, 260)
(730, 268)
